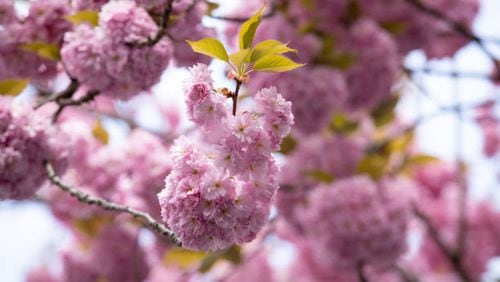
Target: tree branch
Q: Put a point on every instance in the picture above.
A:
(145, 218)
(456, 261)
(437, 72)
(361, 273)
(405, 275)
(65, 94)
(63, 103)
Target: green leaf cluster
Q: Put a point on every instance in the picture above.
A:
(265, 56)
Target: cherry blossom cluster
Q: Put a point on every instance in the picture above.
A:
(27, 140)
(351, 222)
(102, 59)
(45, 23)
(220, 189)
(104, 258)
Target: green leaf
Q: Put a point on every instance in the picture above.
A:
(88, 16)
(309, 5)
(275, 63)
(288, 145)
(90, 226)
(100, 133)
(320, 176)
(394, 27)
(269, 47)
(43, 50)
(416, 161)
(211, 6)
(240, 57)
(341, 124)
(401, 143)
(232, 255)
(248, 29)
(422, 159)
(210, 47)
(340, 61)
(183, 258)
(13, 87)
(384, 113)
(373, 165)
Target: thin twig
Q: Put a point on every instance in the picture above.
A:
(437, 72)
(147, 219)
(433, 232)
(234, 96)
(63, 103)
(65, 94)
(405, 275)
(361, 273)
(456, 261)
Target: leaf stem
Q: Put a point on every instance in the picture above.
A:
(235, 95)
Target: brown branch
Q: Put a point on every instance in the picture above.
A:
(433, 232)
(65, 94)
(145, 218)
(405, 275)
(234, 96)
(361, 273)
(63, 103)
(431, 71)
(162, 31)
(453, 257)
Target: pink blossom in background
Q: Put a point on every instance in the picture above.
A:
(26, 141)
(106, 257)
(100, 58)
(352, 223)
(313, 103)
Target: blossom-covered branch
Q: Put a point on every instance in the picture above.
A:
(456, 26)
(147, 219)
